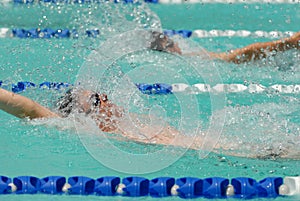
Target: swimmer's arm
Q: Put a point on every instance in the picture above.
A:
(257, 51)
(22, 107)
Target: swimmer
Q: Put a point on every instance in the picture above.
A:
(256, 51)
(83, 101)
(109, 118)
(106, 115)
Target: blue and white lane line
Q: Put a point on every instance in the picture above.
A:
(230, 1)
(159, 187)
(72, 33)
(159, 1)
(162, 88)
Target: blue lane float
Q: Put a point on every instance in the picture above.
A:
(185, 187)
(4, 185)
(215, 187)
(161, 186)
(182, 33)
(52, 184)
(156, 88)
(27, 184)
(81, 185)
(54, 85)
(244, 187)
(135, 186)
(107, 186)
(21, 86)
(269, 187)
(189, 187)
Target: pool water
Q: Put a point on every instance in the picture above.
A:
(262, 120)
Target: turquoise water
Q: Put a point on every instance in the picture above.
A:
(41, 150)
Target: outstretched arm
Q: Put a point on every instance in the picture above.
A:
(256, 51)
(22, 107)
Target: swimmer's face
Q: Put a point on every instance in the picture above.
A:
(171, 46)
(161, 42)
(100, 109)
(89, 101)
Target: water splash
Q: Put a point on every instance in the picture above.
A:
(261, 130)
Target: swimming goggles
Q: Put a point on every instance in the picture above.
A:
(96, 99)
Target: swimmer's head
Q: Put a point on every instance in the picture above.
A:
(161, 42)
(95, 105)
(66, 103)
(83, 101)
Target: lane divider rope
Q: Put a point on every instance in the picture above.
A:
(74, 1)
(185, 187)
(158, 1)
(229, 1)
(73, 33)
(163, 89)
